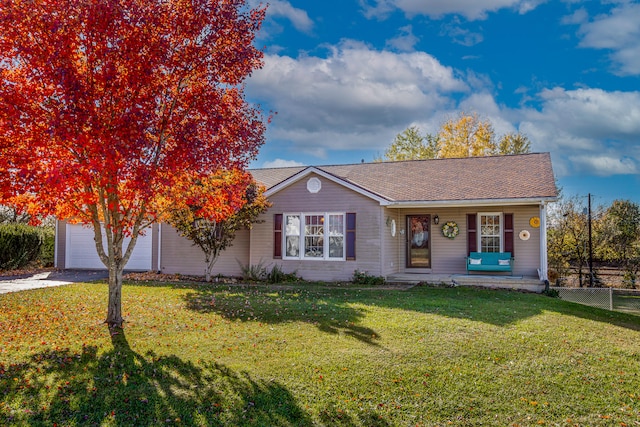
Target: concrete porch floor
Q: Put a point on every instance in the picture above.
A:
(530, 284)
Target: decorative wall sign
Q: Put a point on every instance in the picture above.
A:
(524, 235)
(534, 222)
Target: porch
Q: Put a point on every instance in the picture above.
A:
(520, 283)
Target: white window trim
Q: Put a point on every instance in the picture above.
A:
(479, 228)
(325, 247)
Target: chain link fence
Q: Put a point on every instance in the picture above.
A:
(625, 300)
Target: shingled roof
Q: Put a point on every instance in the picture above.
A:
(499, 178)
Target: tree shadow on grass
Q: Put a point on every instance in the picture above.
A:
(322, 308)
(494, 306)
(122, 387)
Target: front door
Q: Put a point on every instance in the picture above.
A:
(418, 242)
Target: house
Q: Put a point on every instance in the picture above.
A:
(387, 218)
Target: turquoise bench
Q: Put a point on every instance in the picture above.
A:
(490, 261)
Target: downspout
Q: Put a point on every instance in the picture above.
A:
(382, 228)
(159, 247)
(55, 245)
(543, 243)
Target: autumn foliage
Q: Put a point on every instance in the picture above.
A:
(214, 209)
(106, 105)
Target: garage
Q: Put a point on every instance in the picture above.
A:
(81, 251)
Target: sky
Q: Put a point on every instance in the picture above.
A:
(343, 77)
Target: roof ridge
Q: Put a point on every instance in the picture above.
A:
(318, 166)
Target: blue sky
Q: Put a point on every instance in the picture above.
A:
(346, 76)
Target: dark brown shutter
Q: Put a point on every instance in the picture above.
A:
(472, 234)
(508, 233)
(277, 236)
(351, 236)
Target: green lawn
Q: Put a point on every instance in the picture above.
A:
(310, 355)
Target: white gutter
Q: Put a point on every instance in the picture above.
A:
(467, 203)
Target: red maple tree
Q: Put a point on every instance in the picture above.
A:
(108, 105)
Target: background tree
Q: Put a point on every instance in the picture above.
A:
(410, 145)
(466, 136)
(107, 105)
(621, 233)
(12, 215)
(568, 237)
(514, 143)
(242, 202)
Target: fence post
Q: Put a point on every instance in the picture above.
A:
(611, 298)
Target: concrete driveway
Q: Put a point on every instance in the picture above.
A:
(47, 279)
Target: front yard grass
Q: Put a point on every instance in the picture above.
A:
(307, 355)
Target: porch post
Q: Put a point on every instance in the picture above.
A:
(543, 242)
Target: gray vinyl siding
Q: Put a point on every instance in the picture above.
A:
(448, 255)
(332, 198)
(527, 253)
(392, 245)
(180, 256)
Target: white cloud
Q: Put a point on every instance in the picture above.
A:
(355, 98)
(589, 131)
(619, 32)
(281, 163)
(405, 41)
(471, 10)
(463, 36)
(604, 165)
(579, 16)
(281, 8)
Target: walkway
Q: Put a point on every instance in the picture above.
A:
(48, 279)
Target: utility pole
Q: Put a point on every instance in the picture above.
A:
(590, 246)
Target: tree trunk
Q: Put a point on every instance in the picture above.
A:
(210, 260)
(114, 310)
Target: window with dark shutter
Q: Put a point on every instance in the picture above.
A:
(277, 236)
(472, 234)
(351, 236)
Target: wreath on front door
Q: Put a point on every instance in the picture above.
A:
(450, 230)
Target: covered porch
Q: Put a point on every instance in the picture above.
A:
(520, 283)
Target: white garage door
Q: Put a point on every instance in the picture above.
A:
(81, 250)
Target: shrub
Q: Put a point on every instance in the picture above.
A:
(364, 278)
(47, 251)
(22, 244)
(254, 272)
(276, 275)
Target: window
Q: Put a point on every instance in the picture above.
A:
(292, 235)
(314, 236)
(490, 232)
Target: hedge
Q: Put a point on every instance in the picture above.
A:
(22, 244)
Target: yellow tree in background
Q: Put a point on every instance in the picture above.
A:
(466, 136)
(514, 143)
(410, 145)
